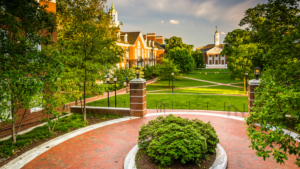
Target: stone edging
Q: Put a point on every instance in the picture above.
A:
(25, 158)
(220, 162)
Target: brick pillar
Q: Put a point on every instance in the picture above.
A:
(252, 85)
(138, 104)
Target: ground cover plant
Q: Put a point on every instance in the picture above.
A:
(219, 78)
(210, 90)
(40, 135)
(168, 139)
(179, 82)
(182, 101)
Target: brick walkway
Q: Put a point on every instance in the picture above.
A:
(108, 146)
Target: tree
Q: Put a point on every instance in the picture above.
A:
(165, 70)
(175, 42)
(198, 57)
(182, 58)
(277, 103)
(25, 25)
(87, 43)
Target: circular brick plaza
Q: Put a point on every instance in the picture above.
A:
(107, 147)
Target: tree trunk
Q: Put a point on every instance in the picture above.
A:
(21, 122)
(84, 93)
(13, 126)
(76, 102)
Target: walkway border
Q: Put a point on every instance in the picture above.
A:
(25, 158)
(220, 162)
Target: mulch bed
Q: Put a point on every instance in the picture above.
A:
(143, 161)
(91, 121)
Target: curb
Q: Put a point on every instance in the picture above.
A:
(220, 162)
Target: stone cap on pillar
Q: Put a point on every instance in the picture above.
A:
(140, 80)
(254, 82)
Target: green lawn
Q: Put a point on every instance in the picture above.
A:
(211, 70)
(193, 102)
(180, 82)
(210, 90)
(220, 78)
(240, 84)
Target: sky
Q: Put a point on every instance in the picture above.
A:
(194, 21)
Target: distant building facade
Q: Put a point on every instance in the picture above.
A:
(212, 56)
(139, 50)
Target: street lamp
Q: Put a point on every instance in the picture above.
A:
(127, 85)
(257, 72)
(172, 81)
(137, 72)
(115, 80)
(246, 74)
(107, 81)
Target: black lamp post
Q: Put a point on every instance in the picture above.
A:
(107, 81)
(137, 72)
(172, 81)
(126, 84)
(115, 80)
(257, 72)
(246, 74)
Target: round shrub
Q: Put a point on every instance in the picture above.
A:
(170, 138)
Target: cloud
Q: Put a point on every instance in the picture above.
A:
(162, 21)
(174, 22)
(223, 33)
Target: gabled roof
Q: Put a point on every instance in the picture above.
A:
(209, 46)
(131, 37)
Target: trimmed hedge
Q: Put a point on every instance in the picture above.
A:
(170, 138)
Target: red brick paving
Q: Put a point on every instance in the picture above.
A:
(108, 146)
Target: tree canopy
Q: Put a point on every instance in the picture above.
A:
(198, 57)
(176, 42)
(277, 99)
(182, 58)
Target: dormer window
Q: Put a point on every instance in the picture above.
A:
(209, 55)
(216, 55)
(125, 38)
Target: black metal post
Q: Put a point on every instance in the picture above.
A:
(108, 97)
(246, 84)
(115, 94)
(172, 83)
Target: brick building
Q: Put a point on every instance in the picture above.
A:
(139, 50)
(212, 56)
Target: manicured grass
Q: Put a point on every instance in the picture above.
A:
(220, 78)
(239, 84)
(210, 90)
(180, 82)
(193, 102)
(212, 70)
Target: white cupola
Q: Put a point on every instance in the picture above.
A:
(114, 15)
(217, 38)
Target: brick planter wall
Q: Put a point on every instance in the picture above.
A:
(102, 110)
(252, 85)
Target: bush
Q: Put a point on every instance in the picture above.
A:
(170, 138)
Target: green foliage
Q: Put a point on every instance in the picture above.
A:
(25, 25)
(182, 58)
(198, 57)
(150, 72)
(176, 42)
(122, 73)
(278, 94)
(165, 70)
(173, 138)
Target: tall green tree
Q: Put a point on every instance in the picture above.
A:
(166, 69)
(24, 67)
(87, 43)
(277, 99)
(198, 57)
(182, 58)
(176, 42)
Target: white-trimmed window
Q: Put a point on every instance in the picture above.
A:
(122, 65)
(127, 65)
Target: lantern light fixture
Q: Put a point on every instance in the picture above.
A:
(137, 72)
(257, 72)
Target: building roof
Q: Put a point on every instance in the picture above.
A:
(113, 9)
(209, 46)
(131, 37)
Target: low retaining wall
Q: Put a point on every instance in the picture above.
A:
(102, 110)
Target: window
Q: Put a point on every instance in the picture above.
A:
(37, 103)
(118, 66)
(222, 55)
(216, 55)
(142, 64)
(209, 55)
(127, 65)
(122, 65)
